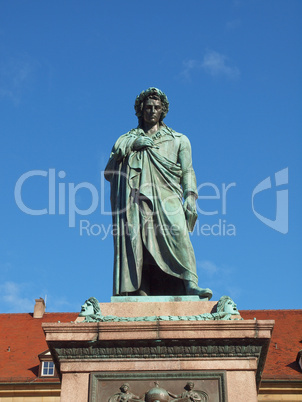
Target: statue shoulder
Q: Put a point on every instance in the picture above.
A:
(133, 131)
(183, 140)
(182, 137)
(176, 134)
(169, 130)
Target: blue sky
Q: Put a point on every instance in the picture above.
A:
(69, 75)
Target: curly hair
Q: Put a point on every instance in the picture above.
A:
(124, 385)
(150, 93)
(222, 301)
(95, 304)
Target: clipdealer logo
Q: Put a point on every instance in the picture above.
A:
(62, 195)
(280, 223)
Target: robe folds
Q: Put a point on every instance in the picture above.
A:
(147, 189)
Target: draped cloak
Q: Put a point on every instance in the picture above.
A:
(147, 189)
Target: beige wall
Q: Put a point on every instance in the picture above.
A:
(274, 391)
(279, 398)
(30, 393)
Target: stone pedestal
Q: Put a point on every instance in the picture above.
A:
(224, 359)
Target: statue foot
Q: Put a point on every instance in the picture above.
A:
(141, 292)
(193, 289)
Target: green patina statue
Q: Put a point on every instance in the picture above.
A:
(226, 310)
(190, 394)
(91, 310)
(158, 394)
(150, 171)
(125, 395)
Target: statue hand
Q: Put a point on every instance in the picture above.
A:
(190, 203)
(142, 142)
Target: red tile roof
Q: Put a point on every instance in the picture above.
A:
(285, 343)
(22, 340)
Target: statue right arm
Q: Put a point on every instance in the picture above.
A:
(123, 146)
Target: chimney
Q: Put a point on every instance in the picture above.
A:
(39, 309)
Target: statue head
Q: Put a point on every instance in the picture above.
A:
(227, 305)
(150, 93)
(125, 387)
(90, 307)
(189, 385)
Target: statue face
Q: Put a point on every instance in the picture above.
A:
(190, 385)
(124, 388)
(86, 309)
(152, 111)
(230, 307)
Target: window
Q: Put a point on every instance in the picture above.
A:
(48, 369)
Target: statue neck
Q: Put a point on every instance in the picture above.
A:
(150, 129)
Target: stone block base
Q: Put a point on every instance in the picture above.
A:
(224, 359)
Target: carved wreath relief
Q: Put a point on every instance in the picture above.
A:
(158, 394)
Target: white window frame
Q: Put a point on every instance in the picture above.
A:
(47, 368)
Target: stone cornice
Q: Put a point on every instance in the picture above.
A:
(254, 329)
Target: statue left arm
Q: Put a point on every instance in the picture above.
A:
(188, 180)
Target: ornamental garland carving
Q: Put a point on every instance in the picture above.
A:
(160, 351)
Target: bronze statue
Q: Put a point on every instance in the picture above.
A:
(191, 395)
(125, 395)
(91, 310)
(159, 394)
(150, 171)
(227, 305)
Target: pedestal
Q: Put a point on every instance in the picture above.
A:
(224, 359)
